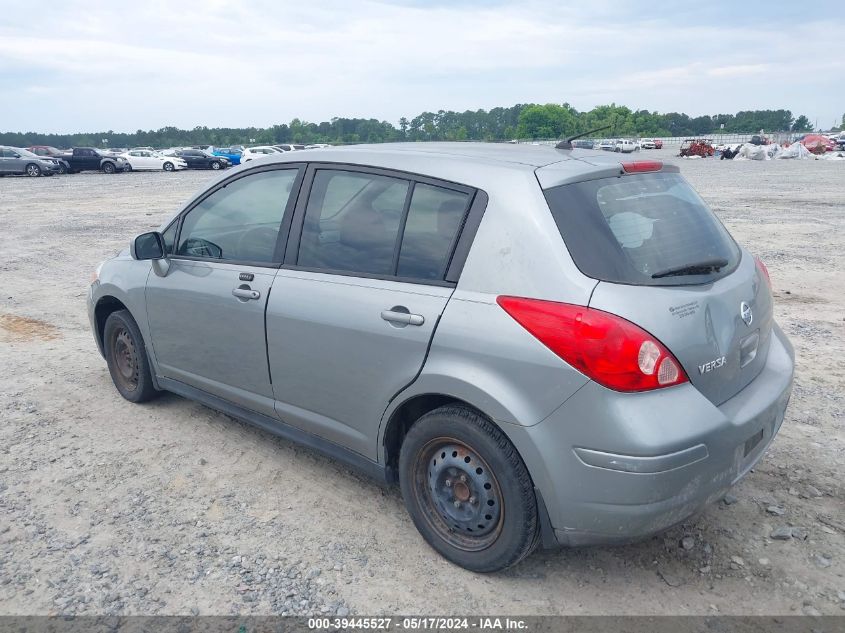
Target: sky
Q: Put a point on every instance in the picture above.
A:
(96, 66)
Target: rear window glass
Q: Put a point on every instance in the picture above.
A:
(644, 229)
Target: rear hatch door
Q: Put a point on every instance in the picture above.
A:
(667, 264)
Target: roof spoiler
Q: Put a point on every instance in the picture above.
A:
(567, 143)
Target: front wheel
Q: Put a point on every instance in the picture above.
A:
(468, 490)
(108, 168)
(216, 165)
(127, 358)
(33, 170)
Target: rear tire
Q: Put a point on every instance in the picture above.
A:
(468, 490)
(127, 168)
(127, 358)
(109, 168)
(32, 170)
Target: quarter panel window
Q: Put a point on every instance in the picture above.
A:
(169, 236)
(434, 219)
(352, 222)
(241, 221)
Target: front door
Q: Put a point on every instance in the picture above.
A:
(355, 306)
(206, 310)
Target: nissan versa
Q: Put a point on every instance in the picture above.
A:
(541, 345)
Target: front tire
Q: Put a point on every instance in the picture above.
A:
(127, 358)
(109, 168)
(215, 165)
(33, 170)
(468, 490)
(168, 166)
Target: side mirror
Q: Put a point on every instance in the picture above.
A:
(147, 246)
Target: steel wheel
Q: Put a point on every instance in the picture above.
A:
(459, 494)
(125, 358)
(33, 170)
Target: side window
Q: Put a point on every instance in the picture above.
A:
(434, 219)
(169, 236)
(352, 222)
(241, 221)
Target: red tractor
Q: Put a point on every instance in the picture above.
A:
(697, 147)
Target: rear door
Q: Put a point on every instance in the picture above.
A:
(668, 265)
(206, 311)
(357, 301)
(6, 161)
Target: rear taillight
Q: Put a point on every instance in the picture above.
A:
(764, 272)
(641, 166)
(606, 348)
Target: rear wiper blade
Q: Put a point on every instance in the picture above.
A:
(698, 268)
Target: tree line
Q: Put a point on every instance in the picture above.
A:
(521, 121)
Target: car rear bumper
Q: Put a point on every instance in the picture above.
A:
(616, 467)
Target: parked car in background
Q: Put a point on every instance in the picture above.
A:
(658, 143)
(440, 317)
(317, 145)
(91, 159)
(200, 159)
(147, 160)
(48, 151)
(261, 151)
(647, 143)
(288, 147)
(16, 160)
(232, 153)
(607, 144)
(583, 143)
(625, 146)
(759, 139)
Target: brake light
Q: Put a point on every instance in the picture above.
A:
(641, 166)
(606, 348)
(764, 272)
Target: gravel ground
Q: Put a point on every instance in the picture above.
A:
(172, 508)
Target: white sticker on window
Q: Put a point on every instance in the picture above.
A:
(631, 229)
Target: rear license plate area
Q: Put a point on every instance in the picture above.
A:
(752, 442)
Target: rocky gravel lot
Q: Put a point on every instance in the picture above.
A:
(171, 508)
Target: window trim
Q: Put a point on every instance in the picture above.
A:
(284, 227)
(459, 248)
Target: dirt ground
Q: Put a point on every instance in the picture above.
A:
(172, 508)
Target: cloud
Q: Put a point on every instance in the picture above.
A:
(142, 65)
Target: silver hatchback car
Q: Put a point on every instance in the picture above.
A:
(541, 345)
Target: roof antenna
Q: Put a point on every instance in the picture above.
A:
(567, 144)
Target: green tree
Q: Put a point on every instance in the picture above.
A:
(802, 124)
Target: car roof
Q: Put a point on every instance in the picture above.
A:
(473, 163)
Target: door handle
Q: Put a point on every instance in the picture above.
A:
(402, 318)
(245, 293)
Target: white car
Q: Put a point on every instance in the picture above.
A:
(626, 146)
(146, 160)
(647, 143)
(258, 152)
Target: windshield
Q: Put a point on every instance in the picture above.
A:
(628, 229)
